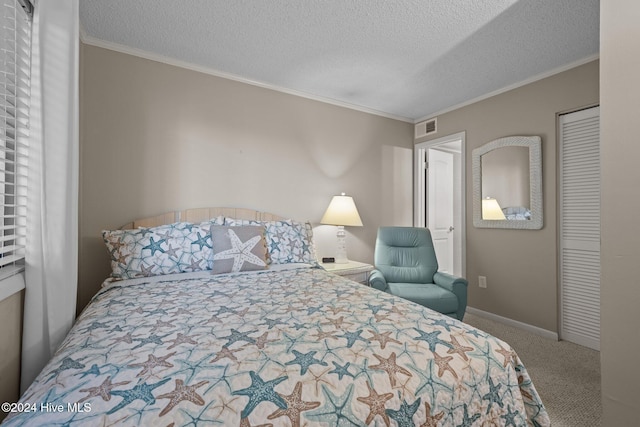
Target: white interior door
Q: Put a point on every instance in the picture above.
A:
(580, 227)
(440, 219)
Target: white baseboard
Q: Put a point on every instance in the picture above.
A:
(516, 324)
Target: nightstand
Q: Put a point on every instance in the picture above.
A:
(353, 270)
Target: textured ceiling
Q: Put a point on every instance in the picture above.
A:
(403, 58)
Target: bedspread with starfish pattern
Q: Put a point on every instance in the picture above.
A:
(288, 348)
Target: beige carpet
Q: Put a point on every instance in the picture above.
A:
(566, 375)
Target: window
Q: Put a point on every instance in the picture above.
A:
(15, 54)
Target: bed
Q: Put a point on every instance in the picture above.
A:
(284, 344)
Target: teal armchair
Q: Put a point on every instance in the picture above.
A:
(406, 266)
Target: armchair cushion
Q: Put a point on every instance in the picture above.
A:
(406, 266)
(405, 254)
(428, 295)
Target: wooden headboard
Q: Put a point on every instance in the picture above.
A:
(201, 215)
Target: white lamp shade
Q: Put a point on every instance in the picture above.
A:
(342, 211)
(491, 209)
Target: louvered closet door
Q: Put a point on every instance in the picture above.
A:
(580, 227)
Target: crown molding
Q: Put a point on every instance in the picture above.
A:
(86, 39)
(513, 86)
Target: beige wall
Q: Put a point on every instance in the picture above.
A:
(156, 138)
(520, 265)
(620, 253)
(11, 339)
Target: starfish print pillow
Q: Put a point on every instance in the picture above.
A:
(288, 241)
(166, 249)
(240, 248)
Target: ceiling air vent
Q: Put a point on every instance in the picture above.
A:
(426, 128)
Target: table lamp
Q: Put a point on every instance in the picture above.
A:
(342, 212)
(491, 209)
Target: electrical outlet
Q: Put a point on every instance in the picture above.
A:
(482, 282)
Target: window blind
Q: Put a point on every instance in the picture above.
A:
(15, 54)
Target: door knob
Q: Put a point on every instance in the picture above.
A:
(451, 229)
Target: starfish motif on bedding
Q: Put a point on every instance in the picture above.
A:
(352, 337)
(374, 308)
(142, 391)
(431, 338)
(240, 252)
(390, 366)
(162, 324)
(153, 338)
(260, 391)
(507, 353)
(262, 341)
(468, 421)
(396, 310)
(201, 241)
(225, 353)
(67, 363)
(458, 348)
(338, 323)
(404, 415)
(295, 406)
(443, 365)
(195, 264)
(151, 363)
(305, 360)
(376, 403)
(383, 338)
(103, 390)
(337, 410)
(524, 392)
(180, 393)
(172, 252)
(94, 370)
(337, 310)
(126, 339)
(493, 396)
(154, 246)
(146, 271)
(444, 323)
(143, 231)
(121, 258)
(323, 335)
(116, 243)
(341, 371)
(431, 421)
(510, 417)
(239, 336)
(381, 317)
(180, 339)
(318, 379)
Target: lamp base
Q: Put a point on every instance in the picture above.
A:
(341, 253)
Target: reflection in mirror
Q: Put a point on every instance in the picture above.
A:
(491, 209)
(507, 183)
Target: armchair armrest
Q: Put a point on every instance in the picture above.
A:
(454, 284)
(377, 280)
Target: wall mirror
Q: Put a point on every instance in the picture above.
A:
(507, 183)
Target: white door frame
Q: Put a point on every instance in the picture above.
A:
(420, 188)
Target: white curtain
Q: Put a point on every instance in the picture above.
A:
(52, 222)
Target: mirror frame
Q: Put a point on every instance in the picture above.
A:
(534, 144)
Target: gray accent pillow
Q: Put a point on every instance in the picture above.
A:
(238, 249)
